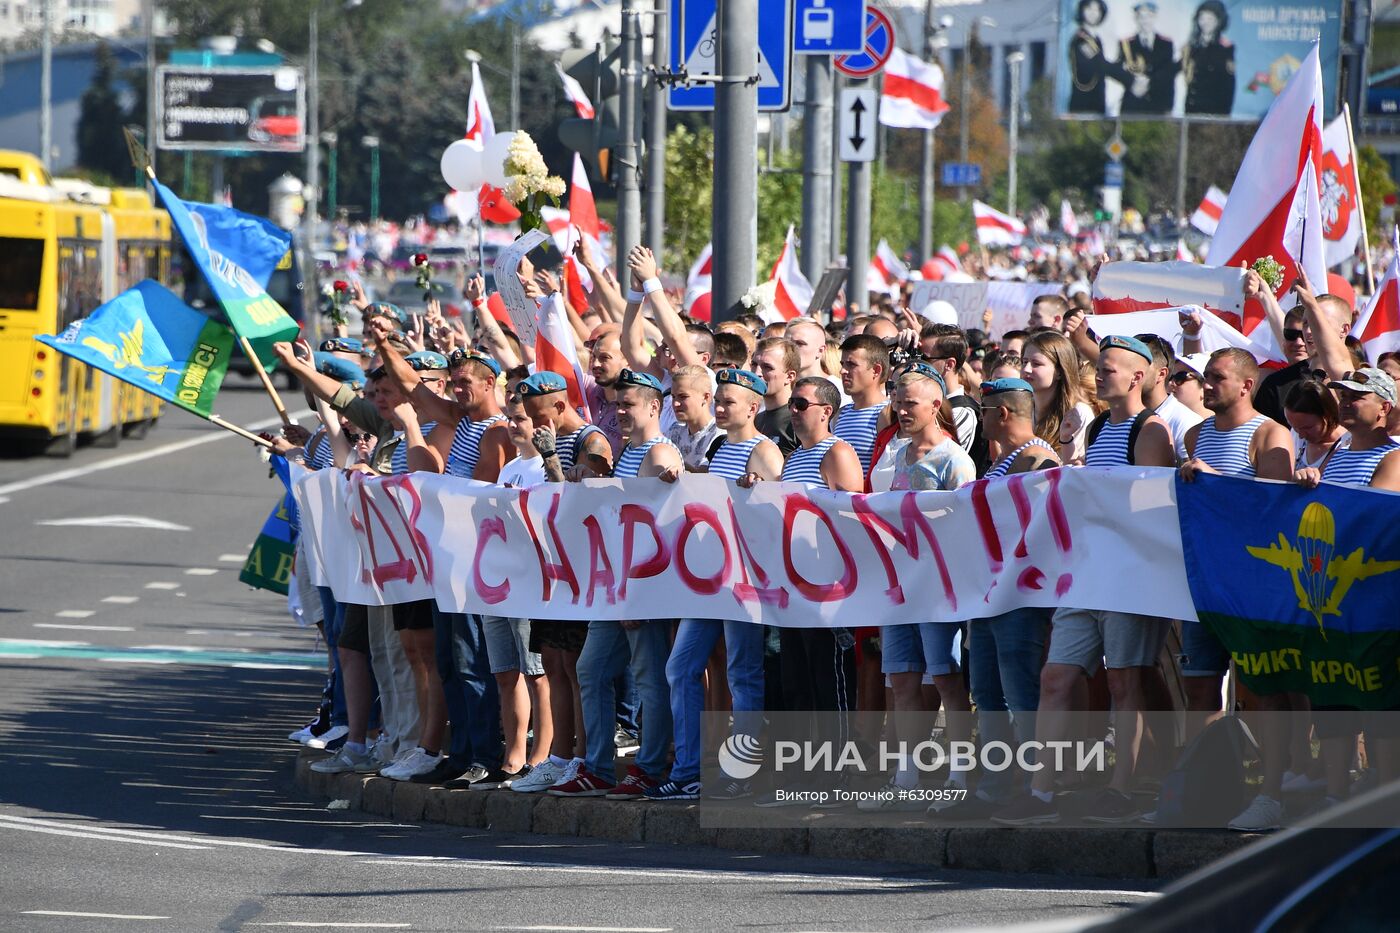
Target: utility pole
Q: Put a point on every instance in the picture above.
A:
(514, 75)
(655, 175)
(332, 179)
(372, 144)
(148, 17)
(735, 223)
(1182, 151)
(834, 242)
(816, 168)
(926, 169)
(46, 85)
(1013, 129)
(629, 196)
(857, 230)
(313, 126)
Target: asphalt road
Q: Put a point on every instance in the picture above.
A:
(145, 777)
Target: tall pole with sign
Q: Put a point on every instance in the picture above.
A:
(735, 217)
(858, 222)
(1013, 129)
(816, 168)
(926, 166)
(655, 176)
(629, 195)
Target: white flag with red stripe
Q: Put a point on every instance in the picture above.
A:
(1378, 327)
(1122, 287)
(1339, 193)
(1268, 213)
(1207, 216)
(887, 268)
(480, 126)
(995, 228)
(575, 93)
(1069, 223)
(794, 292)
(698, 282)
(948, 257)
(555, 350)
(1182, 253)
(912, 95)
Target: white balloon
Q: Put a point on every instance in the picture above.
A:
(461, 166)
(493, 159)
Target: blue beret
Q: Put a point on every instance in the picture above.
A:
(1006, 385)
(385, 309)
(336, 368)
(629, 377)
(343, 345)
(543, 382)
(1131, 344)
(459, 356)
(920, 368)
(742, 378)
(425, 360)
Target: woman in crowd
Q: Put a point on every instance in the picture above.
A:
(1311, 410)
(1063, 409)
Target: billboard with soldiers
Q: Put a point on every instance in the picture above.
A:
(1202, 59)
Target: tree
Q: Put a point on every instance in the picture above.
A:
(1376, 186)
(100, 121)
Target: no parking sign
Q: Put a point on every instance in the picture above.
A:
(879, 46)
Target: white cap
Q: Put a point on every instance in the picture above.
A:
(939, 312)
(1076, 287)
(1196, 362)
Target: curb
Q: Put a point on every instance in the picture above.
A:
(1099, 853)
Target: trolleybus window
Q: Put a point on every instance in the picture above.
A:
(21, 268)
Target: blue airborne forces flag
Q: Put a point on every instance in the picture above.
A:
(1302, 585)
(269, 564)
(150, 338)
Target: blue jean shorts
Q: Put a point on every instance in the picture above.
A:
(1202, 654)
(508, 646)
(933, 648)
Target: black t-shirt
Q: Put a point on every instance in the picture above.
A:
(1268, 398)
(776, 425)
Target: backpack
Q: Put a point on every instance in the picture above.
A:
(1097, 424)
(1206, 786)
(979, 451)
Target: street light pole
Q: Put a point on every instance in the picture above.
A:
(148, 15)
(515, 75)
(926, 167)
(1014, 129)
(372, 144)
(46, 85)
(332, 177)
(313, 127)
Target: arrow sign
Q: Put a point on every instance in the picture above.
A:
(857, 136)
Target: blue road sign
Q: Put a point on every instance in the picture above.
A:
(695, 48)
(961, 175)
(1113, 174)
(877, 46)
(826, 26)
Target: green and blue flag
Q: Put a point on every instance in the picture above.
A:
(224, 244)
(1299, 584)
(150, 338)
(270, 562)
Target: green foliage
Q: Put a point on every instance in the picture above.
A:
(1376, 185)
(102, 114)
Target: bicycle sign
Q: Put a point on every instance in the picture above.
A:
(695, 51)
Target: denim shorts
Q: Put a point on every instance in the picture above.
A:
(1202, 654)
(933, 648)
(1087, 638)
(508, 646)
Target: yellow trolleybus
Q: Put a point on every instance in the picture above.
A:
(66, 247)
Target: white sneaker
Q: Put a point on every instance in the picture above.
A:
(569, 773)
(1262, 815)
(302, 735)
(345, 761)
(327, 737)
(412, 764)
(383, 750)
(541, 777)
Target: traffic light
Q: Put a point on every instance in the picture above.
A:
(599, 71)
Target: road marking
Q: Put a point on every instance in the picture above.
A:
(333, 924)
(123, 835)
(85, 628)
(553, 929)
(127, 459)
(74, 614)
(162, 586)
(671, 874)
(79, 913)
(160, 654)
(116, 521)
(200, 572)
(6, 823)
(120, 600)
(233, 558)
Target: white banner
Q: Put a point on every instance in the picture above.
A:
(779, 554)
(523, 310)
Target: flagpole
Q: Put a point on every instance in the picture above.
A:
(266, 381)
(1360, 208)
(241, 432)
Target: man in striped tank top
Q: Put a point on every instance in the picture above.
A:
(1365, 399)
(1083, 639)
(648, 454)
(865, 368)
(745, 456)
(1236, 440)
(579, 448)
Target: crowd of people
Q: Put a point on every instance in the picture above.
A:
(878, 401)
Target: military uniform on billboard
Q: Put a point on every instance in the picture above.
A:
(1158, 65)
(1210, 77)
(1089, 74)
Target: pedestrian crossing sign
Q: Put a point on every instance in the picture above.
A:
(695, 53)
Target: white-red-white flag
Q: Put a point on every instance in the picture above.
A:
(1122, 287)
(794, 292)
(995, 228)
(575, 93)
(1069, 223)
(555, 350)
(949, 257)
(1182, 253)
(1267, 213)
(887, 266)
(1378, 327)
(480, 126)
(1207, 216)
(1340, 193)
(912, 95)
(699, 281)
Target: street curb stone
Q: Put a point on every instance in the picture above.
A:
(1130, 853)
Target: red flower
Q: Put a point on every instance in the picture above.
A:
(341, 286)
(420, 259)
